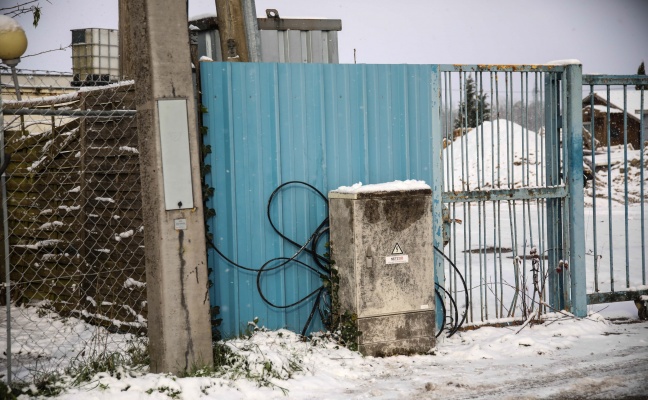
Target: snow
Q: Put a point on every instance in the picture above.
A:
(604, 109)
(50, 225)
(616, 100)
(112, 85)
(36, 163)
(124, 235)
(9, 24)
(70, 208)
(129, 149)
(205, 58)
(39, 244)
(202, 16)
(497, 154)
(42, 339)
(568, 61)
(130, 282)
(410, 184)
(564, 357)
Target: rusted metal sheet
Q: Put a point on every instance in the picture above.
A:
(501, 68)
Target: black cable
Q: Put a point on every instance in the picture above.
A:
(454, 305)
(5, 164)
(323, 264)
(463, 281)
(444, 312)
(321, 261)
(324, 222)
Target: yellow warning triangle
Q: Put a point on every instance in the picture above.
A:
(397, 249)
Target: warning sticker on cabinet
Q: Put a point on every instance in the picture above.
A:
(397, 249)
(397, 259)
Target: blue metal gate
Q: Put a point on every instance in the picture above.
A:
(512, 164)
(615, 118)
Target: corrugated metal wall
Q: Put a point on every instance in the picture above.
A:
(325, 124)
(305, 45)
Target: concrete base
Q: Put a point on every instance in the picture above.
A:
(399, 334)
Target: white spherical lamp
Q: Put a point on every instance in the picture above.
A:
(13, 41)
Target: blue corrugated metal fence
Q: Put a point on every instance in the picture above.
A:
(327, 125)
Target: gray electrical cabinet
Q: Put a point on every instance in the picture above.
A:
(381, 245)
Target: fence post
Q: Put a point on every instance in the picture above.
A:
(573, 135)
(437, 191)
(554, 223)
(5, 239)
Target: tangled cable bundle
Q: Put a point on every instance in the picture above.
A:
(323, 269)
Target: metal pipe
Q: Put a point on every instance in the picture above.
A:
(625, 180)
(593, 141)
(15, 81)
(609, 169)
(71, 113)
(5, 229)
(641, 190)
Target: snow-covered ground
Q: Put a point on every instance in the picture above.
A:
(562, 358)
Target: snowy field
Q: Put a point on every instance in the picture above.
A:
(596, 357)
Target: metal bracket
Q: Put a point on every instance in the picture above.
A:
(272, 13)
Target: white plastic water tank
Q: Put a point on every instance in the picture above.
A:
(95, 56)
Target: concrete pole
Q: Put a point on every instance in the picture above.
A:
(176, 267)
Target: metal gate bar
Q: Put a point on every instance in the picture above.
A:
(615, 118)
(518, 161)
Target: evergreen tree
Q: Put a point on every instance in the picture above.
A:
(472, 107)
(641, 71)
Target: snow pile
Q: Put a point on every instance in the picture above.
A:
(497, 154)
(502, 155)
(409, 184)
(9, 24)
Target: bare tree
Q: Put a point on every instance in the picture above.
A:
(26, 7)
(529, 114)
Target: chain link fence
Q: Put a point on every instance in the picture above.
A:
(73, 269)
